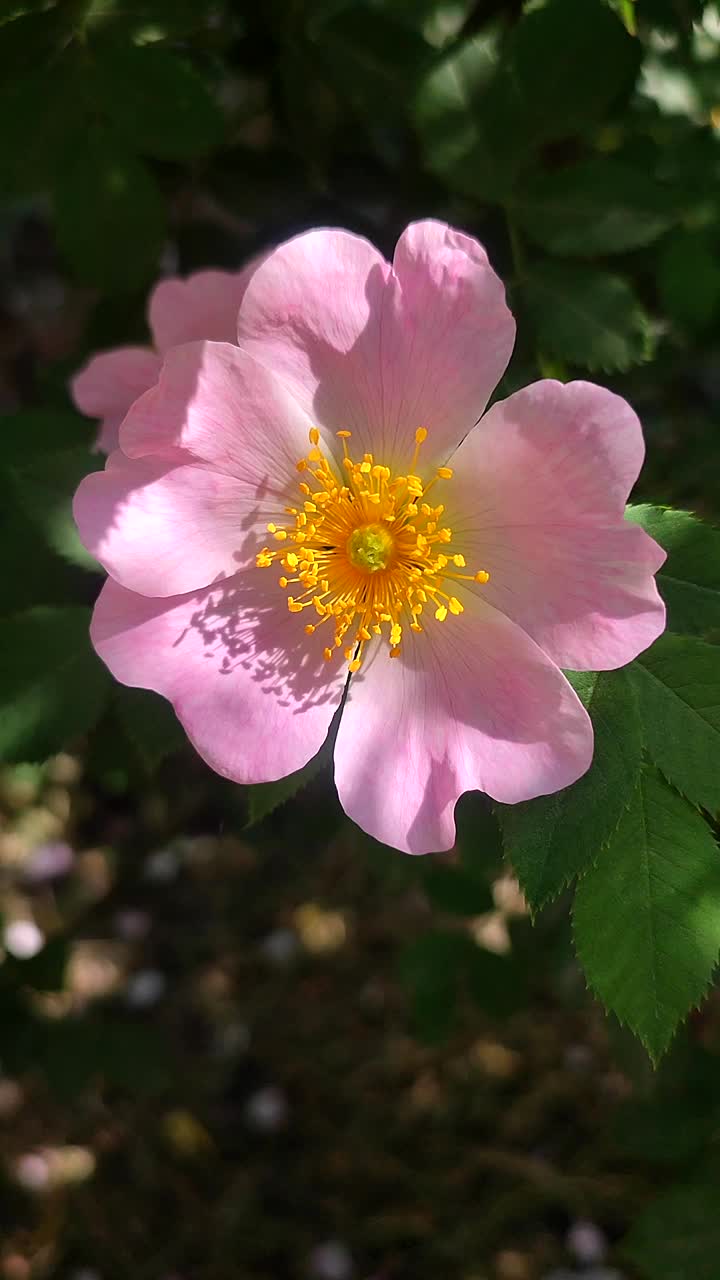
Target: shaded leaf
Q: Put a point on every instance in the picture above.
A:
(647, 915)
(587, 317)
(151, 725)
(599, 206)
(678, 686)
(157, 102)
(565, 65)
(52, 685)
(44, 487)
(689, 581)
(264, 797)
(554, 838)
(109, 215)
(678, 1235)
(689, 280)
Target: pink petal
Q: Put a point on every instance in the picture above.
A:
(471, 703)
(216, 404)
(377, 350)
(447, 337)
(163, 529)
(204, 306)
(107, 385)
(255, 701)
(537, 500)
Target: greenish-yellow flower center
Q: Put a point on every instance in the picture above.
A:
(370, 547)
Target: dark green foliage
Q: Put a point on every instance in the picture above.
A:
(554, 838)
(52, 686)
(579, 140)
(647, 915)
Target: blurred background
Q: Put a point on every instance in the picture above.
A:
(239, 1038)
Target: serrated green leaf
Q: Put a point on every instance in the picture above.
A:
(678, 686)
(678, 1236)
(158, 104)
(689, 581)
(52, 685)
(689, 280)
(265, 797)
(647, 915)
(598, 206)
(587, 317)
(554, 838)
(109, 214)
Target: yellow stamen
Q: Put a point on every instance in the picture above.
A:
(364, 550)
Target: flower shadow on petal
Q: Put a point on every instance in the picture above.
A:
(242, 626)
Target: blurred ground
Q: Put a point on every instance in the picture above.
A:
(224, 1075)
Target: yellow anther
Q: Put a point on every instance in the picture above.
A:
(364, 547)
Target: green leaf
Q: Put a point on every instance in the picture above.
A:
(157, 103)
(566, 64)
(647, 915)
(454, 890)
(150, 724)
(144, 21)
(30, 433)
(678, 1236)
(44, 488)
(554, 838)
(52, 685)
(689, 581)
(587, 317)
(678, 686)
(454, 121)
(265, 797)
(599, 206)
(109, 215)
(35, 575)
(689, 280)
(42, 121)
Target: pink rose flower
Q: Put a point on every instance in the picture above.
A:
(315, 511)
(205, 305)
